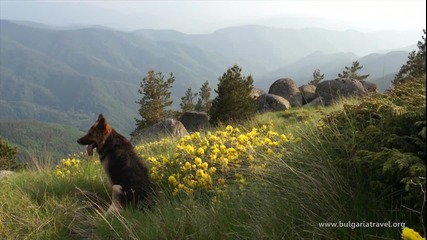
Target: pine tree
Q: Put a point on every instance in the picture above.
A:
(415, 66)
(8, 159)
(233, 102)
(156, 97)
(187, 101)
(317, 77)
(7, 155)
(352, 72)
(204, 102)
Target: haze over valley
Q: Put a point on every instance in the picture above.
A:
(64, 63)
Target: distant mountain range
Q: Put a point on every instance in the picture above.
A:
(69, 75)
(381, 67)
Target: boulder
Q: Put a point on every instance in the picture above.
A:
(256, 92)
(286, 88)
(165, 128)
(308, 93)
(315, 102)
(195, 121)
(271, 103)
(332, 90)
(370, 87)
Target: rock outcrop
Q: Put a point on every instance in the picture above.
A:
(165, 128)
(286, 88)
(194, 121)
(308, 93)
(370, 87)
(271, 103)
(332, 90)
(256, 92)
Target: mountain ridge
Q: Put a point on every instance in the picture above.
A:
(78, 73)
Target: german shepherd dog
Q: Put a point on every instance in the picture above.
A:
(128, 174)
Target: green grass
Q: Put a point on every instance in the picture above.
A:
(301, 190)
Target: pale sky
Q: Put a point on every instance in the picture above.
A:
(206, 16)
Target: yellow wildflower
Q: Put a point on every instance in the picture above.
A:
(198, 161)
(243, 139)
(59, 173)
(272, 134)
(200, 151)
(205, 165)
(232, 154)
(195, 135)
(172, 180)
(187, 166)
(411, 234)
(284, 138)
(189, 149)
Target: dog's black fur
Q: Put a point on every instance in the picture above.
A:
(128, 174)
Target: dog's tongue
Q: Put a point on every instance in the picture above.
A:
(89, 149)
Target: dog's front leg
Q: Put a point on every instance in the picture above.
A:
(116, 205)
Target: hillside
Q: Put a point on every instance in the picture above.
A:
(305, 170)
(43, 141)
(71, 72)
(70, 75)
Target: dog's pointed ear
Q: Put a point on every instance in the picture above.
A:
(102, 122)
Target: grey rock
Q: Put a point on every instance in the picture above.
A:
(165, 128)
(195, 121)
(308, 93)
(256, 92)
(332, 90)
(286, 88)
(271, 103)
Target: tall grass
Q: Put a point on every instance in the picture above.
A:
(301, 189)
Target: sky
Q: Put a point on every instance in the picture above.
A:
(210, 15)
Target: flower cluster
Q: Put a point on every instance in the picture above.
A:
(68, 167)
(210, 163)
(411, 234)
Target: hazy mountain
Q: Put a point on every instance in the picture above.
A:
(69, 76)
(84, 72)
(301, 70)
(268, 46)
(381, 67)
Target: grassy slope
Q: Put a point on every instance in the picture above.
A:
(59, 140)
(302, 190)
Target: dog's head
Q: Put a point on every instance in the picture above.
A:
(96, 135)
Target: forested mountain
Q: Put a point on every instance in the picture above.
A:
(68, 76)
(39, 141)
